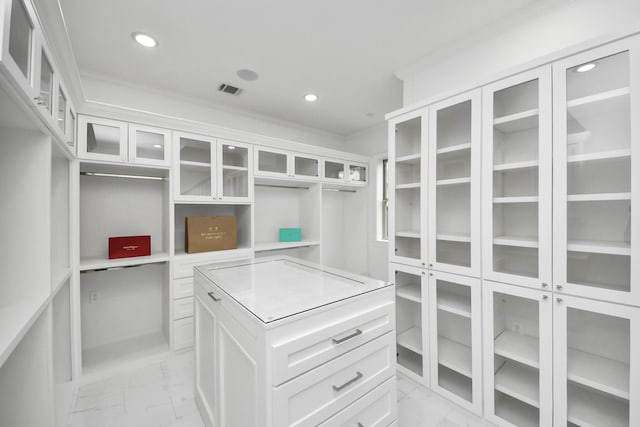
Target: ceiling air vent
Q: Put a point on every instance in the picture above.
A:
(231, 90)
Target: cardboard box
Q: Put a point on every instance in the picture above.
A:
(210, 233)
(129, 246)
(290, 235)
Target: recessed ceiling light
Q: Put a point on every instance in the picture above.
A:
(248, 75)
(157, 146)
(145, 39)
(231, 147)
(311, 97)
(586, 67)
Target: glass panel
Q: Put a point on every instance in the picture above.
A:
(357, 173)
(409, 321)
(149, 145)
(599, 173)
(333, 170)
(235, 156)
(62, 111)
(516, 359)
(515, 180)
(72, 128)
(103, 139)
(408, 137)
(305, 166)
(20, 35)
(235, 172)
(598, 348)
(272, 162)
(46, 82)
(195, 167)
(454, 338)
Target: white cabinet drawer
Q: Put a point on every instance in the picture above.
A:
(183, 333)
(183, 265)
(183, 288)
(378, 408)
(182, 308)
(317, 395)
(331, 334)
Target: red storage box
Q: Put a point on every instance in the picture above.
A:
(129, 246)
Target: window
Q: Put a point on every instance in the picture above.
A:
(383, 191)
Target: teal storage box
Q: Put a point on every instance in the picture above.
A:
(290, 234)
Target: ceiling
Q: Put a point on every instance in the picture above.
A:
(344, 51)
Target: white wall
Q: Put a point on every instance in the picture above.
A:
(372, 142)
(508, 44)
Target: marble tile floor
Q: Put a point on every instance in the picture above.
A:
(160, 394)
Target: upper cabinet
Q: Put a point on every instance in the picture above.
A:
(454, 185)
(344, 172)
(19, 44)
(407, 173)
(209, 169)
(516, 199)
(116, 141)
(275, 163)
(597, 173)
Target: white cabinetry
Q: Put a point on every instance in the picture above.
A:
(343, 172)
(597, 174)
(516, 197)
(275, 163)
(20, 37)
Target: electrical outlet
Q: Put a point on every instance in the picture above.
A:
(93, 297)
(517, 328)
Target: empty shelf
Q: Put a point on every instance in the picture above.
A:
(454, 303)
(194, 165)
(408, 233)
(235, 168)
(103, 264)
(516, 412)
(408, 186)
(411, 339)
(454, 356)
(16, 319)
(516, 165)
(599, 98)
(274, 246)
(410, 292)
(456, 181)
(603, 155)
(600, 373)
(517, 122)
(411, 362)
(410, 159)
(463, 238)
(587, 408)
(454, 148)
(519, 381)
(519, 241)
(521, 348)
(596, 247)
(599, 197)
(516, 199)
(459, 385)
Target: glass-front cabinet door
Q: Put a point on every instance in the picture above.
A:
(102, 139)
(454, 185)
(516, 164)
(18, 50)
(235, 161)
(149, 145)
(597, 173)
(407, 174)
(517, 355)
(194, 159)
(271, 162)
(45, 83)
(334, 170)
(357, 173)
(306, 167)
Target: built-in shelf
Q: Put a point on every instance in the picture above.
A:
(409, 186)
(517, 241)
(597, 247)
(195, 164)
(462, 238)
(454, 303)
(599, 197)
(516, 199)
(521, 348)
(516, 412)
(456, 181)
(517, 122)
(274, 246)
(520, 382)
(600, 373)
(103, 264)
(235, 168)
(599, 97)
(454, 148)
(454, 356)
(410, 363)
(60, 279)
(411, 339)
(587, 408)
(408, 233)
(460, 385)
(410, 159)
(409, 292)
(602, 155)
(529, 164)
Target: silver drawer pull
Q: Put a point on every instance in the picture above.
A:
(213, 297)
(348, 337)
(351, 381)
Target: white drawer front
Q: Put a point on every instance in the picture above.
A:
(183, 333)
(378, 408)
(182, 308)
(328, 338)
(183, 267)
(317, 395)
(183, 288)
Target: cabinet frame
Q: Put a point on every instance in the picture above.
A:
(220, 171)
(83, 153)
(213, 151)
(475, 158)
(133, 145)
(257, 172)
(561, 285)
(542, 281)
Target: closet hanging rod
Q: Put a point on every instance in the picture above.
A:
(337, 190)
(282, 186)
(118, 175)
